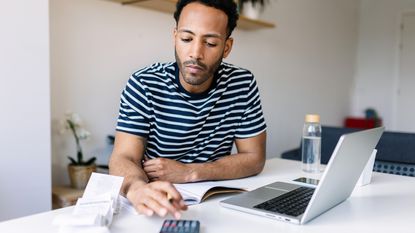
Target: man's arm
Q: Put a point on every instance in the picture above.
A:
(249, 161)
(146, 197)
(125, 160)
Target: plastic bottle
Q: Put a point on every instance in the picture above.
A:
(311, 144)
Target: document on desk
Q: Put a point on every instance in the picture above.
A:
(95, 210)
(194, 193)
(102, 184)
(197, 192)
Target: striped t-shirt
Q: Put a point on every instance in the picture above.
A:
(190, 128)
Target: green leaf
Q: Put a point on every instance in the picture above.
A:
(90, 161)
(73, 161)
(80, 157)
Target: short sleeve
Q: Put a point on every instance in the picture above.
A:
(135, 109)
(252, 122)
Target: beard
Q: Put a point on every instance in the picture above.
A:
(197, 79)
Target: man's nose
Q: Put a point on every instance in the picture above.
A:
(197, 51)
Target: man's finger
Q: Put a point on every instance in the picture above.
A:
(154, 205)
(152, 175)
(142, 209)
(160, 193)
(179, 205)
(150, 162)
(165, 200)
(169, 189)
(150, 167)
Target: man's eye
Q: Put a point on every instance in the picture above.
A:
(186, 40)
(211, 44)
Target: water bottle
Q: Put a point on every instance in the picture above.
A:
(311, 144)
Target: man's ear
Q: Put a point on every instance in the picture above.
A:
(174, 35)
(228, 47)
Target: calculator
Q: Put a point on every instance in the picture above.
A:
(180, 226)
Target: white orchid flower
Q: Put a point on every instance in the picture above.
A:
(72, 122)
(83, 134)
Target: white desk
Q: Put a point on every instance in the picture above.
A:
(386, 205)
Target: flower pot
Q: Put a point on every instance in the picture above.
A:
(79, 175)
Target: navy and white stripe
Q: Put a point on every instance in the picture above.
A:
(190, 127)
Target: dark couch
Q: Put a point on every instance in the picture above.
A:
(396, 151)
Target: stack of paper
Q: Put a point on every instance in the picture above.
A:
(94, 211)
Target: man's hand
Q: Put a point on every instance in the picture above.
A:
(157, 197)
(168, 170)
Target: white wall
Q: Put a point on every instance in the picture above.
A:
(25, 174)
(304, 65)
(95, 46)
(377, 60)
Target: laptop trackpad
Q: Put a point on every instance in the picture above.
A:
(270, 191)
(287, 187)
(260, 195)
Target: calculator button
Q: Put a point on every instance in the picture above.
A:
(180, 226)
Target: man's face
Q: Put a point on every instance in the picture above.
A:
(200, 45)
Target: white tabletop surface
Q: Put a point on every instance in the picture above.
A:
(385, 205)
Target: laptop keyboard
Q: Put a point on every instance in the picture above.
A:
(292, 203)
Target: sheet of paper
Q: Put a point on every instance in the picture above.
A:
(100, 184)
(125, 205)
(96, 208)
(193, 193)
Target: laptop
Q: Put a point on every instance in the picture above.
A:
(296, 203)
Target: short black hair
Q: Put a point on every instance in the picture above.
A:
(227, 6)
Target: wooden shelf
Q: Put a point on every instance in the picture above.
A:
(169, 6)
(64, 196)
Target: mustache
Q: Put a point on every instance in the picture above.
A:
(195, 62)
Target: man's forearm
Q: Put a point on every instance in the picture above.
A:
(249, 161)
(230, 167)
(132, 172)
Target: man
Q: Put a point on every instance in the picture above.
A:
(178, 121)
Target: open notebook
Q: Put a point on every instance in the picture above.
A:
(194, 193)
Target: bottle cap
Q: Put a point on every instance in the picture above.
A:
(312, 118)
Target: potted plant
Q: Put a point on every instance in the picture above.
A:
(251, 8)
(79, 170)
